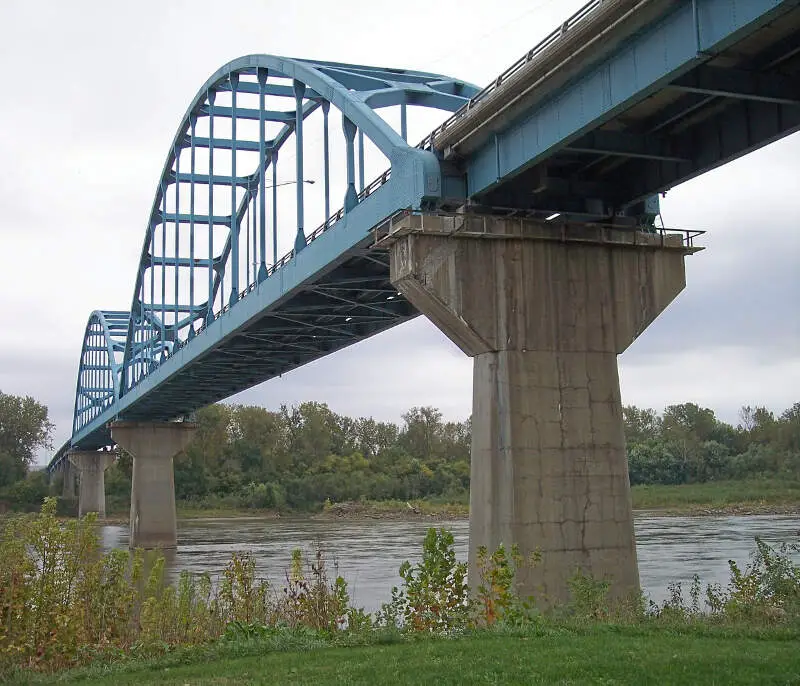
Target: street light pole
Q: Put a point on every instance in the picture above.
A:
(289, 183)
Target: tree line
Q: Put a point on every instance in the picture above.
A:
(688, 444)
(302, 456)
(299, 457)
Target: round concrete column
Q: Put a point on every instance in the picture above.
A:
(153, 445)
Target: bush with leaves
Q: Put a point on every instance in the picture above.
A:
(767, 590)
(434, 595)
(63, 602)
(497, 598)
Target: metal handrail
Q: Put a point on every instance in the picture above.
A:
(554, 36)
(560, 227)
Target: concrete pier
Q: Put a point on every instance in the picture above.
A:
(68, 480)
(152, 446)
(544, 311)
(91, 466)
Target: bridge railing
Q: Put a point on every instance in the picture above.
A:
(544, 44)
(368, 190)
(475, 225)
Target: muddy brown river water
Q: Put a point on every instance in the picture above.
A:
(369, 552)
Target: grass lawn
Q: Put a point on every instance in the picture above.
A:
(599, 655)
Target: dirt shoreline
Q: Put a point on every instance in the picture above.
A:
(354, 511)
(360, 511)
(740, 509)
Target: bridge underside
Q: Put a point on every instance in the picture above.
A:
(692, 116)
(353, 300)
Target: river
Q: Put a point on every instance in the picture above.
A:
(369, 552)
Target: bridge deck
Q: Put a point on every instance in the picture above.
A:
(636, 97)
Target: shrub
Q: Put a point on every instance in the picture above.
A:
(434, 595)
(63, 602)
(497, 598)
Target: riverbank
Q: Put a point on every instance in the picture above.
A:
(752, 496)
(746, 497)
(715, 498)
(307, 629)
(595, 654)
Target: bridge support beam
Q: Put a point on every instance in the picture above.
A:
(544, 311)
(153, 445)
(91, 466)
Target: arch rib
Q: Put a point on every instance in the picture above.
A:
(355, 90)
(100, 366)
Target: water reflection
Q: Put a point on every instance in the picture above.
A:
(368, 553)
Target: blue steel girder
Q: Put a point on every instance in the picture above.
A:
(356, 91)
(706, 101)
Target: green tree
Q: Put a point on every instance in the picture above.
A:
(789, 429)
(641, 425)
(689, 422)
(314, 432)
(202, 466)
(372, 438)
(24, 429)
(421, 435)
(258, 441)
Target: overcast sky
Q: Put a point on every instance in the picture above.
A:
(94, 91)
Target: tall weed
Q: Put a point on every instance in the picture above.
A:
(63, 602)
(434, 595)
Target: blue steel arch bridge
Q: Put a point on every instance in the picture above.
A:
(624, 100)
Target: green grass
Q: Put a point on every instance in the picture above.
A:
(597, 655)
(751, 493)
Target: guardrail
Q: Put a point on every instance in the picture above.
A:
(464, 225)
(368, 190)
(550, 39)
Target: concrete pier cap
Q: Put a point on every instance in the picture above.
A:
(91, 466)
(544, 310)
(153, 445)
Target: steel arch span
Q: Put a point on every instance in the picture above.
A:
(212, 238)
(100, 366)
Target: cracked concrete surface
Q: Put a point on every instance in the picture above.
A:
(544, 321)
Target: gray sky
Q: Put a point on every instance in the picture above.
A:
(95, 90)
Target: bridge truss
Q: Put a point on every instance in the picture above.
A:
(213, 237)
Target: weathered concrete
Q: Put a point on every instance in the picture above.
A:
(544, 321)
(153, 445)
(68, 480)
(91, 466)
